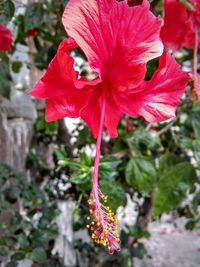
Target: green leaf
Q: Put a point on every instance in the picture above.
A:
(7, 9)
(84, 137)
(4, 251)
(140, 251)
(20, 255)
(41, 236)
(195, 122)
(142, 137)
(188, 4)
(11, 194)
(60, 154)
(4, 57)
(107, 167)
(5, 172)
(38, 255)
(49, 128)
(185, 142)
(16, 66)
(23, 241)
(33, 16)
(167, 160)
(115, 192)
(137, 232)
(16, 222)
(173, 187)
(85, 159)
(152, 65)
(80, 177)
(44, 56)
(196, 150)
(141, 174)
(192, 223)
(19, 29)
(5, 78)
(196, 202)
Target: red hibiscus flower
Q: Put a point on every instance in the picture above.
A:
(118, 40)
(6, 38)
(32, 32)
(181, 24)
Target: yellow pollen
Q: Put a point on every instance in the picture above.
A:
(103, 224)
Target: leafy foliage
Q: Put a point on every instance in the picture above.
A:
(5, 77)
(7, 9)
(141, 174)
(173, 186)
(25, 236)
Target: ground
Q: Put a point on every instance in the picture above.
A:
(171, 245)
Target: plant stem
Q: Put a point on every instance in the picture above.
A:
(98, 147)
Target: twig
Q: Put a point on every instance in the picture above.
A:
(167, 127)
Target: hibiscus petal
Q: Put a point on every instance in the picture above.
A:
(59, 77)
(67, 105)
(91, 113)
(118, 40)
(196, 13)
(189, 40)
(174, 31)
(5, 38)
(112, 116)
(157, 99)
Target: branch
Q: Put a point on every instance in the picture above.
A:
(167, 127)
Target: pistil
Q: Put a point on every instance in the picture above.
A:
(104, 224)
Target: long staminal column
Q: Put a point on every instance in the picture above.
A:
(104, 224)
(195, 72)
